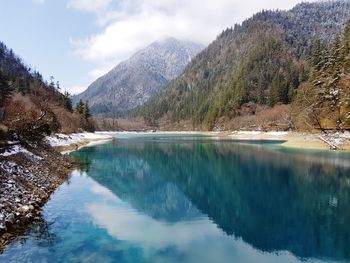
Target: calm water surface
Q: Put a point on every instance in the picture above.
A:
(167, 199)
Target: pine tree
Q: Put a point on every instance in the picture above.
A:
(66, 102)
(83, 109)
(58, 87)
(86, 110)
(52, 83)
(22, 85)
(5, 90)
(79, 108)
(345, 47)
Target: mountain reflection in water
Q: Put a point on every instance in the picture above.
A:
(194, 200)
(275, 200)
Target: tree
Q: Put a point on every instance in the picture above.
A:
(83, 109)
(22, 85)
(5, 90)
(58, 87)
(329, 106)
(86, 110)
(52, 83)
(79, 108)
(66, 102)
(279, 90)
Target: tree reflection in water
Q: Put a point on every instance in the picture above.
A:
(275, 200)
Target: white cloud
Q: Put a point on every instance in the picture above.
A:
(196, 240)
(128, 25)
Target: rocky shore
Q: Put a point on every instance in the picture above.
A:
(28, 176)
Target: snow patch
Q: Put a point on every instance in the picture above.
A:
(335, 140)
(57, 140)
(277, 133)
(272, 133)
(15, 149)
(250, 132)
(344, 135)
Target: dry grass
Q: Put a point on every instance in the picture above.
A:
(132, 124)
(276, 118)
(22, 108)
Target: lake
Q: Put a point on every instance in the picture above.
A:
(192, 199)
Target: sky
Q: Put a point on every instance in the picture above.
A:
(77, 41)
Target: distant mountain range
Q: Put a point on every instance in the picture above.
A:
(134, 81)
(258, 64)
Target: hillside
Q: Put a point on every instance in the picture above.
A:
(30, 107)
(135, 80)
(249, 68)
(323, 101)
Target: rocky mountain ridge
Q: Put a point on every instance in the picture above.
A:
(134, 81)
(259, 63)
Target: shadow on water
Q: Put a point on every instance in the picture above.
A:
(275, 200)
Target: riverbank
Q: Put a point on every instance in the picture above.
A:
(71, 142)
(316, 141)
(30, 174)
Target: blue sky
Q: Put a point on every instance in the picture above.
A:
(40, 34)
(77, 41)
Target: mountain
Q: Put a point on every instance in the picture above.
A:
(253, 66)
(135, 80)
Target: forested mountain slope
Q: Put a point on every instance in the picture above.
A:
(30, 107)
(135, 80)
(263, 61)
(324, 100)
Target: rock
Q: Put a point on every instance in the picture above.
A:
(24, 209)
(24, 187)
(3, 228)
(10, 218)
(28, 216)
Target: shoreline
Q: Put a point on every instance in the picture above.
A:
(299, 140)
(307, 141)
(73, 142)
(29, 175)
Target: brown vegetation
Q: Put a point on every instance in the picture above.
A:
(277, 118)
(132, 124)
(32, 116)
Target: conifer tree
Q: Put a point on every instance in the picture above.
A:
(86, 110)
(5, 90)
(79, 108)
(66, 102)
(83, 109)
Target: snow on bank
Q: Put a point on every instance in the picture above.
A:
(62, 140)
(336, 140)
(15, 149)
(344, 135)
(277, 133)
(271, 133)
(248, 132)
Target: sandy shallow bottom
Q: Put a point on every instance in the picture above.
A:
(293, 139)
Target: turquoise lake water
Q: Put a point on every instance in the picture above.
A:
(169, 199)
